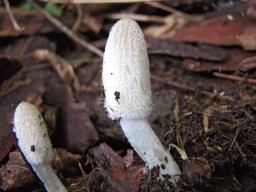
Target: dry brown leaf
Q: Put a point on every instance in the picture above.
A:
(15, 173)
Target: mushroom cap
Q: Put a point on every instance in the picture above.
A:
(32, 135)
(126, 75)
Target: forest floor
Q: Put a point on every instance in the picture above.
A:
(203, 77)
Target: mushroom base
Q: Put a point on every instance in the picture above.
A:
(49, 178)
(149, 148)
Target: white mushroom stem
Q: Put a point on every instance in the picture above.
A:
(49, 178)
(149, 148)
(126, 81)
(35, 144)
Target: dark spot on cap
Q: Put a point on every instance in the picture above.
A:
(166, 159)
(39, 116)
(111, 73)
(41, 123)
(45, 135)
(32, 148)
(117, 120)
(166, 176)
(162, 166)
(117, 96)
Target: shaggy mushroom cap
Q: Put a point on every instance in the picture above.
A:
(126, 80)
(32, 135)
(126, 75)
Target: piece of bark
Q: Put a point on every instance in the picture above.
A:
(248, 38)
(251, 8)
(77, 131)
(112, 167)
(15, 173)
(206, 52)
(236, 60)
(52, 97)
(220, 30)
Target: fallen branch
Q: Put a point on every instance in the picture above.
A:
(174, 11)
(12, 18)
(64, 70)
(234, 78)
(72, 35)
(98, 1)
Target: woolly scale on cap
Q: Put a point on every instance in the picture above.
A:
(127, 86)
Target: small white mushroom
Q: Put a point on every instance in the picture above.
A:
(126, 81)
(35, 144)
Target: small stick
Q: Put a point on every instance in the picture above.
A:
(69, 32)
(98, 1)
(64, 70)
(15, 86)
(12, 18)
(173, 11)
(234, 77)
(137, 17)
(79, 18)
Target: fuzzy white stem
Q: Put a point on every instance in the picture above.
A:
(49, 178)
(149, 148)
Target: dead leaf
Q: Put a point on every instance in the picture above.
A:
(64, 69)
(236, 60)
(15, 173)
(111, 167)
(206, 52)
(248, 38)
(157, 31)
(220, 30)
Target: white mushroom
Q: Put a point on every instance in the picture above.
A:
(35, 144)
(126, 81)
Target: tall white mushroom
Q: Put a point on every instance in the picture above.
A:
(126, 81)
(35, 144)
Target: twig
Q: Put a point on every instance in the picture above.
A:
(187, 88)
(234, 77)
(15, 86)
(64, 70)
(79, 18)
(137, 17)
(12, 18)
(174, 11)
(176, 112)
(69, 32)
(98, 1)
